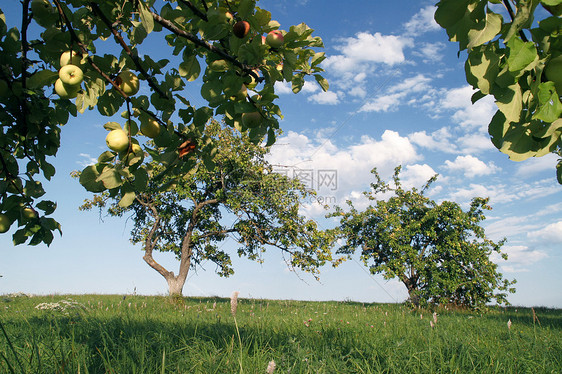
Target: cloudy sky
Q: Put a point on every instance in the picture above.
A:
(397, 96)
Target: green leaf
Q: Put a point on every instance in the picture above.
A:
(485, 31)
(323, 82)
(550, 107)
(89, 179)
(109, 126)
(190, 68)
(522, 55)
(127, 199)
(41, 79)
(110, 178)
(146, 16)
(246, 8)
(559, 172)
(509, 101)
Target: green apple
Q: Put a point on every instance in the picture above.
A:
(28, 214)
(553, 72)
(65, 91)
(71, 75)
(128, 82)
(72, 58)
(117, 140)
(5, 223)
(241, 94)
(241, 29)
(4, 89)
(218, 65)
(150, 128)
(252, 119)
(275, 39)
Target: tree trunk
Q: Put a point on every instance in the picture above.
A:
(413, 296)
(175, 285)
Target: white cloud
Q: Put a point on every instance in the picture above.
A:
(86, 160)
(470, 166)
(536, 165)
(466, 114)
(550, 234)
(325, 98)
(283, 88)
(405, 92)
(367, 48)
(441, 140)
(430, 52)
(352, 164)
(519, 259)
(422, 21)
(416, 175)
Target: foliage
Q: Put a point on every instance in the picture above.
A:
(438, 251)
(192, 215)
(509, 59)
(147, 334)
(194, 40)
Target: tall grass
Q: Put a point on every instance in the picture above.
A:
(136, 334)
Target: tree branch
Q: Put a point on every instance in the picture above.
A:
(84, 50)
(196, 11)
(127, 49)
(202, 43)
(149, 243)
(512, 15)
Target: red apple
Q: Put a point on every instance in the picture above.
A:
(241, 29)
(275, 39)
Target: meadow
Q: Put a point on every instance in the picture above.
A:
(150, 334)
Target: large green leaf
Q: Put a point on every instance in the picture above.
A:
(485, 31)
(89, 179)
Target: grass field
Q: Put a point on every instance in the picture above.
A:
(138, 334)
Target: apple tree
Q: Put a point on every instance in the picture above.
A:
(65, 57)
(438, 251)
(514, 53)
(192, 215)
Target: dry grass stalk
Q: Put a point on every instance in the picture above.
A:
(234, 302)
(271, 367)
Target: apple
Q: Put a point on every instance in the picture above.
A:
(241, 29)
(28, 214)
(65, 91)
(218, 65)
(4, 89)
(150, 128)
(275, 39)
(5, 223)
(71, 75)
(240, 95)
(117, 140)
(128, 82)
(252, 119)
(72, 58)
(553, 72)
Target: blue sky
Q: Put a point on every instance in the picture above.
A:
(398, 96)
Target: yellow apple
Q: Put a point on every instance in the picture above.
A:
(71, 75)
(150, 128)
(117, 140)
(65, 91)
(72, 58)
(28, 213)
(128, 82)
(241, 94)
(5, 223)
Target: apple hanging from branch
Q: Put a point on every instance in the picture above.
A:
(117, 140)
(275, 39)
(71, 75)
(128, 82)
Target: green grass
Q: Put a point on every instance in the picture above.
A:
(137, 334)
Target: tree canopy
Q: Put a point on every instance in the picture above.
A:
(241, 198)
(517, 58)
(69, 56)
(438, 251)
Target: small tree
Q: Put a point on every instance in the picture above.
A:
(438, 251)
(237, 195)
